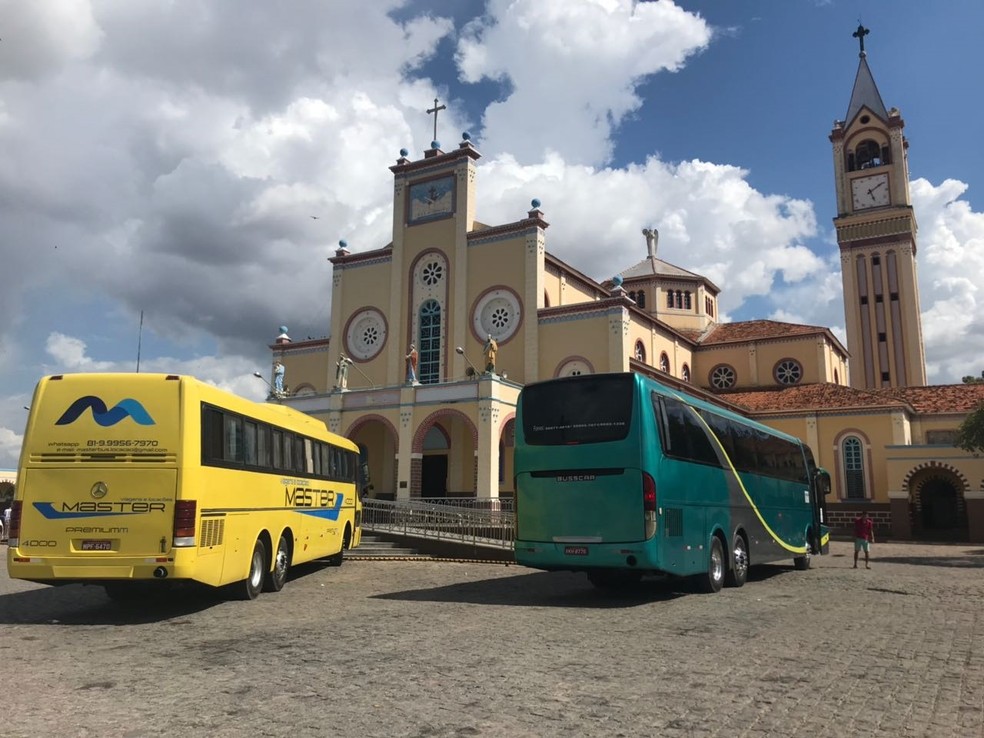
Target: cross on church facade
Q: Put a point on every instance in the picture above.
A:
(435, 110)
(858, 34)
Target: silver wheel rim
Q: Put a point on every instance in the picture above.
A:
(256, 572)
(281, 570)
(741, 558)
(717, 564)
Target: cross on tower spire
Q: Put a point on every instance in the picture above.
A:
(435, 110)
(858, 34)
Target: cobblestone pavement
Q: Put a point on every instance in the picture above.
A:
(460, 649)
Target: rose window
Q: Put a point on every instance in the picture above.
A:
(723, 377)
(788, 371)
(432, 273)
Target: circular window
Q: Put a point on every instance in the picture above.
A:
(497, 314)
(432, 273)
(723, 377)
(788, 371)
(366, 334)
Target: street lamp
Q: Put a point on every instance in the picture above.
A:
(461, 351)
(273, 392)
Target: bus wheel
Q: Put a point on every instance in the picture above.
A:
(802, 563)
(738, 572)
(337, 559)
(276, 578)
(252, 585)
(713, 580)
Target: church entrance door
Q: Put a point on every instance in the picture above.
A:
(434, 476)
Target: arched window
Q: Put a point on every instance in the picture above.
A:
(669, 298)
(867, 154)
(641, 298)
(853, 454)
(685, 373)
(686, 300)
(664, 363)
(640, 351)
(632, 296)
(679, 299)
(430, 342)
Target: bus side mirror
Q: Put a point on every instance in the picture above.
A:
(823, 482)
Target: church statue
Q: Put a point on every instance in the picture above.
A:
(490, 349)
(278, 378)
(412, 365)
(341, 372)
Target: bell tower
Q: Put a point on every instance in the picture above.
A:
(876, 233)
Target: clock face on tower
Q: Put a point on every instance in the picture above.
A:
(870, 192)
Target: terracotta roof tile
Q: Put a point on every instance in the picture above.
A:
(820, 396)
(941, 398)
(750, 330)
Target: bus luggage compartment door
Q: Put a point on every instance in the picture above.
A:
(102, 512)
(598, 505)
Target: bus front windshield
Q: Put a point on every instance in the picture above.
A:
(586, 409)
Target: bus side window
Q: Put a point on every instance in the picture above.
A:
(278, 449)
(232, 438)
(687, 438)
(249, 443)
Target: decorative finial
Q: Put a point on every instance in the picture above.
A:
(283, 329)
(404, 153)
(466, 136)
(435, 144)
(435, 110)
(860, 34)
(535, 203)
(652, 241)
(343, 244)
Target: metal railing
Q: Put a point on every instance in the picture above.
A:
(462, 520)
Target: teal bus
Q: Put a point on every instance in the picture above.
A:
(622, 476)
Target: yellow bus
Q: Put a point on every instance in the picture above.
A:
(126, 480)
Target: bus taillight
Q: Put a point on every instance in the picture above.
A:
(649, 503)
(13, 535)
(184, 522)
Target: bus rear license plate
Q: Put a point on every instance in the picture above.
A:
(97, 545)
(576, 550)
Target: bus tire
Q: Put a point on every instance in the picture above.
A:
(713, 579)
(337, 559)
(252, 585)
(738, 571)
(802, 563)
(277, 576)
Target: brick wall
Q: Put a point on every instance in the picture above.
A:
(840, 518)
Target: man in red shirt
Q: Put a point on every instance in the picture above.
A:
(864, 536)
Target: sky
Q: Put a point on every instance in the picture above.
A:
(196, 163)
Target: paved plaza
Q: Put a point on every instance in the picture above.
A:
(434, 648)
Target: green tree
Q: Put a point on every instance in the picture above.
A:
(970, 379)
(970, 434)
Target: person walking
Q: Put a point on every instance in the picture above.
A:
(864, 536)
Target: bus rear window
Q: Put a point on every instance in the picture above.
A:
(591, 409)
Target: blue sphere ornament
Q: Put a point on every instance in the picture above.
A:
(283, 329)
(466, 136)
(343, 244)
(435, 144)
(404, 152)
(617, 280)
(535, 203)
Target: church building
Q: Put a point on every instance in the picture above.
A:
(434, 334)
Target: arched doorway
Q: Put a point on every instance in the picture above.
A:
(434, 464)
(377, 437)
(937, 508)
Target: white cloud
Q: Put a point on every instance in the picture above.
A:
(571, 85)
